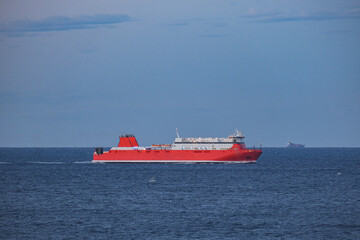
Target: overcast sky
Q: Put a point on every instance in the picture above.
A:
(80, 73)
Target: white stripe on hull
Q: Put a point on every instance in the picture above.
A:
(170, 161)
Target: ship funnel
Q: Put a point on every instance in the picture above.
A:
(128, 140)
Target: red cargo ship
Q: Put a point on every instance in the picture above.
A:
(183, 150)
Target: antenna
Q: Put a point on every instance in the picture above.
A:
(177, 133)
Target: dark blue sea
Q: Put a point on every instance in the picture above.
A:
(57, 193)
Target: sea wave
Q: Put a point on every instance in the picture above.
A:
(47, 162)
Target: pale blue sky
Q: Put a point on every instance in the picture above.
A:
(80, 73)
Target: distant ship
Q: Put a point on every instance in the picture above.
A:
(184, 150)
(295, 145)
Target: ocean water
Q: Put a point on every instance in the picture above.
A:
(57, 193)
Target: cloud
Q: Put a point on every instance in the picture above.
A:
(214, 22)
(178, 24)
(261, 17)
(61, 23)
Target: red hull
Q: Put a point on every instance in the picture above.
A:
(236, 154)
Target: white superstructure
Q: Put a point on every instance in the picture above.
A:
(199, 143)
